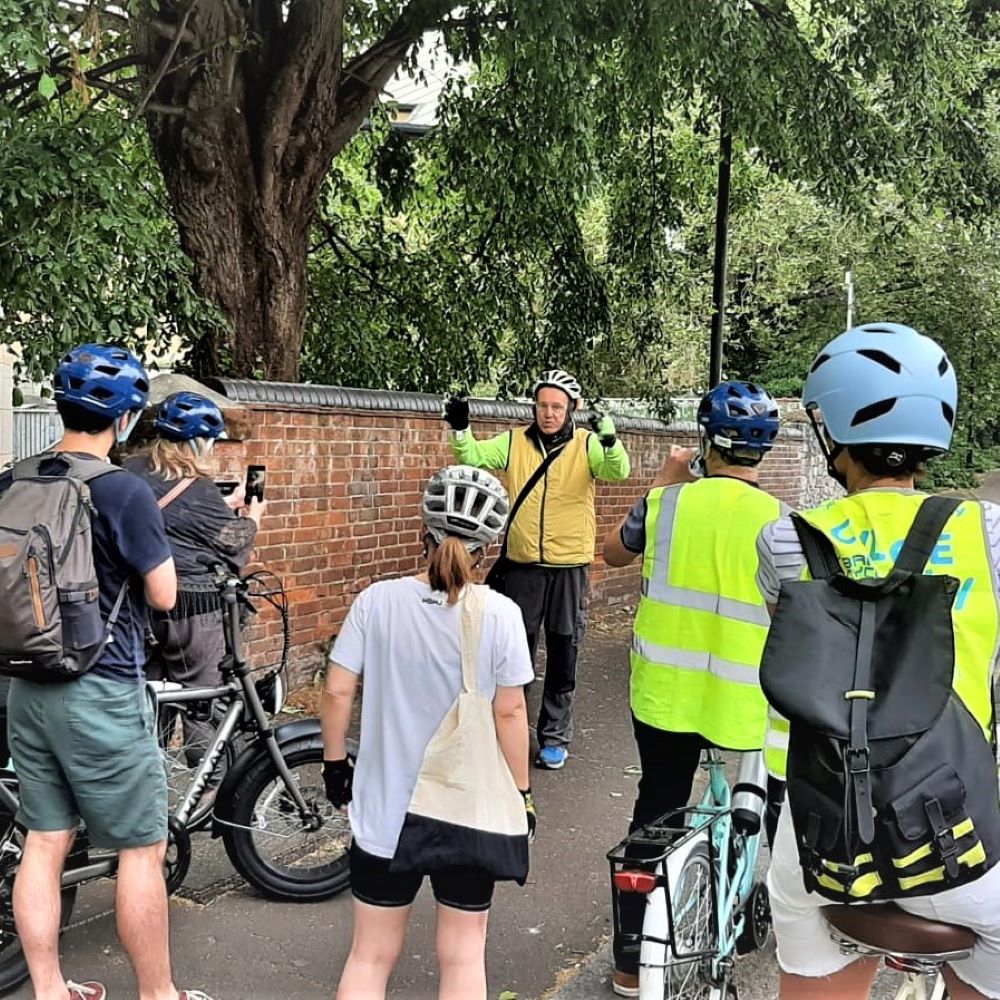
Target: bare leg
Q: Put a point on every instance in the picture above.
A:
(852, 983)
(38, 908)
(461, 951)
(957, 990)
(377, 944)
(141, 909)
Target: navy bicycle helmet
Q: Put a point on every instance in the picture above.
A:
(188, 415)
(102, 378)
(740, 416)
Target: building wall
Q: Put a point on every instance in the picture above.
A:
(344, 487)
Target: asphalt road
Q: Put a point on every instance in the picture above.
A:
(547, 940)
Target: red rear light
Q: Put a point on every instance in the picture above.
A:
(644, 882)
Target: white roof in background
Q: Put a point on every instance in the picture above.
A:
(420, 88)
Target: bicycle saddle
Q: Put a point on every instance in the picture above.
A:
(885, 927)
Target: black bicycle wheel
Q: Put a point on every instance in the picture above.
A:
(270, 844)
(694, 929)
(13, 964)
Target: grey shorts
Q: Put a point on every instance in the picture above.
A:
(86, 749)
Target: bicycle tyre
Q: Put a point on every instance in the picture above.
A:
(261, 803)
(679, 980)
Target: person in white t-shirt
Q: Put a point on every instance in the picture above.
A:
(404, 636)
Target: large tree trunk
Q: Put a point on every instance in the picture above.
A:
(252, 103)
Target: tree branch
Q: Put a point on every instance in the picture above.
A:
(366, 74)
(168, 56)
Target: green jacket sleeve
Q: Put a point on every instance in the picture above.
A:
(611, 464)
(493, 453)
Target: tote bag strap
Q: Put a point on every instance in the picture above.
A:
(473, 607)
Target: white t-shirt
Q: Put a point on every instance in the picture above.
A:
(404, 637)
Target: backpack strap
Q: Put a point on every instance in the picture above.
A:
(84, 469)
(821, 557)
(924, 533)
(920, 541)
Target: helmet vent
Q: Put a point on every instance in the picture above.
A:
(943, 365)
(949, 414)
(881, 358)
(866, 413)
(107, 370)
(821, 360)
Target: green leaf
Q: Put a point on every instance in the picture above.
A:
(47, 86)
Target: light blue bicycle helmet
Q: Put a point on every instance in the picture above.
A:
(881, 384)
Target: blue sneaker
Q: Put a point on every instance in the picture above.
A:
(551, 758)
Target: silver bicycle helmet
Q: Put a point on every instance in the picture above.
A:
(465, 502)
(556, 378)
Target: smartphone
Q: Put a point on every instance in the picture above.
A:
(256, 477)
(227, 486)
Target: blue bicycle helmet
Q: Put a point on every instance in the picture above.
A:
(739, 415)
(102, 378)
(883, 383)
(187, 415)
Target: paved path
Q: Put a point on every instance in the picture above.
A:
(547, 940)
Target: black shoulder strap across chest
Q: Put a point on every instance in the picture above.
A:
(532, 482)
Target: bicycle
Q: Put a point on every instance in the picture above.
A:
(913, 945)
(270, 794)
(695, 866)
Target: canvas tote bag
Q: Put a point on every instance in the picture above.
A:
(466, 809)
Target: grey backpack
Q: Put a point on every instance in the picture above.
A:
(51, 627)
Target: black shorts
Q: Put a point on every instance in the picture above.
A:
(468, 889)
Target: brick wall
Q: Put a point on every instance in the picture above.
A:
(344, 486)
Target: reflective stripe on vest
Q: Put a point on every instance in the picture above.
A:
(776, 744)
(556, 524)
(701, 624)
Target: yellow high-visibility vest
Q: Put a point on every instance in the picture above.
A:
(701, 624)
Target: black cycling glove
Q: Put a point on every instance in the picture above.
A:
(529, 808)
(456, 412)
(338, 777)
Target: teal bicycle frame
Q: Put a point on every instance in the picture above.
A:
(677, 942)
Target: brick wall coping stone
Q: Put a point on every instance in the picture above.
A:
(302, 395)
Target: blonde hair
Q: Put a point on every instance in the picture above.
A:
(174, 459)
(450, 567)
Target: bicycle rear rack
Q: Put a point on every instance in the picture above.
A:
(634, 862)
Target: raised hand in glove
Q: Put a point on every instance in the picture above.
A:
(338, 777)
(456, 412)
(529, 808)
(604, 427)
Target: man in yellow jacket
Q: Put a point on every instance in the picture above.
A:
(701, 624)
(550, 540)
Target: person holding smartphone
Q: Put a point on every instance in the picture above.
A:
(204, 528)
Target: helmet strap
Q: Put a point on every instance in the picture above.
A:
(830, 454)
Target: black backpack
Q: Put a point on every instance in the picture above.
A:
(891, 783)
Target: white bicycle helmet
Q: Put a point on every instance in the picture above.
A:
(465, 502)
(557, 379)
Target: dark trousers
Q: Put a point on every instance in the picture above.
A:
(188, 651)
(553, 599)
(669, 762)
